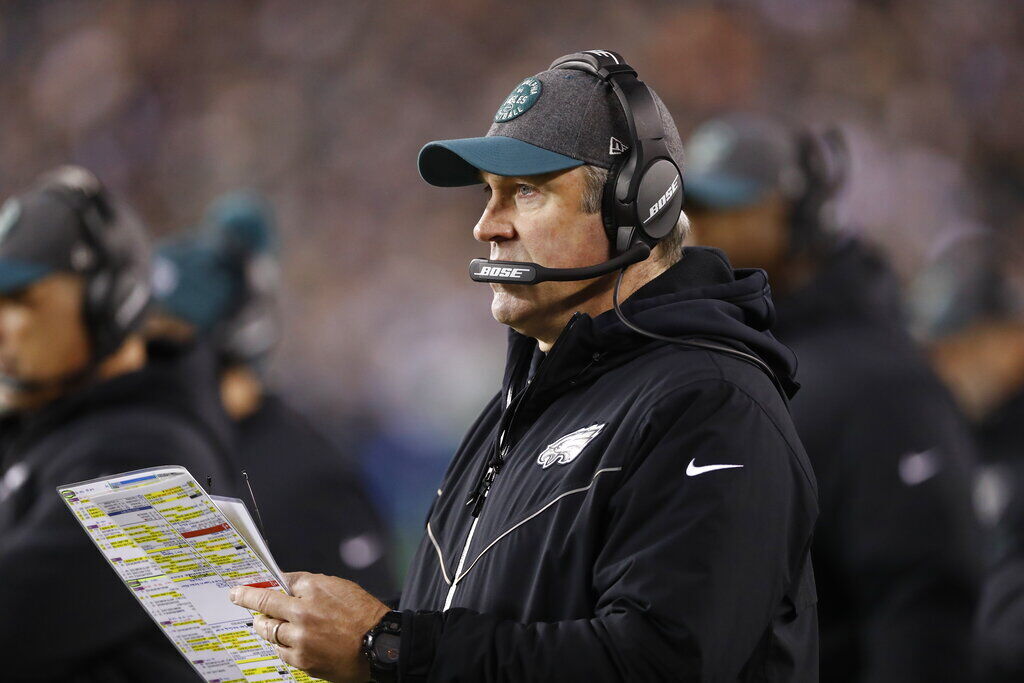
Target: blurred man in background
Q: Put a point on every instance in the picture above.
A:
(82, 396)
(983, 363)
(222, 287)
(895, 548)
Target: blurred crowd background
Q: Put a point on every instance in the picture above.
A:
(321, 106)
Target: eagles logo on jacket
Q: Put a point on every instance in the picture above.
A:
(627, 509)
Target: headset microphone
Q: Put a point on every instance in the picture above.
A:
(526, 273)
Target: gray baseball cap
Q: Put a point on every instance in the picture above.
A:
(555, 120)
(737, 159)
(38, 237)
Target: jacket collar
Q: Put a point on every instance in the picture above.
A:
(701, 295)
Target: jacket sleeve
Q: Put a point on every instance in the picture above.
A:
(906, 537)
(61, 600)
(692, 571)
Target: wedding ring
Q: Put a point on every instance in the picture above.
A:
(273, 634)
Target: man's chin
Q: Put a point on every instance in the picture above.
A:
(508, 308)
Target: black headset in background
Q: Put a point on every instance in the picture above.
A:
(822, 161)
(113, 257)
(252, 328)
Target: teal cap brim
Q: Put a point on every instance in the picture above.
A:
(722, 191)
(17, 275)
(453, 163)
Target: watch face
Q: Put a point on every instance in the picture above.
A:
(385, 646)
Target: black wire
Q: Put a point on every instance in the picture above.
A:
(695, 343)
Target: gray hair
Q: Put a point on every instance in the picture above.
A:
(594, 178)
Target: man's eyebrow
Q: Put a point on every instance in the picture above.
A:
(534, 180)
(482, 175)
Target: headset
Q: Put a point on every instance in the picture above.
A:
(822, 161)
(641, 202)
(113, 257)
(643, 196)
(252, 327)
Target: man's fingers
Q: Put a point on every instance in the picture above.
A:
(266, 601)
(288, 656)
(274, 631)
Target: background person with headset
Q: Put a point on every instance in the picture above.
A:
(634, 504)
(895, 551)
(83, 397)
(221, 285)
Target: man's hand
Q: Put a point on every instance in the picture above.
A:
(321, 625)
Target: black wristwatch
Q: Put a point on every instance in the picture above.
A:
(380, 647)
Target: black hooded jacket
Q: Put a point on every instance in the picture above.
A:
(652, 516)
(66, 615)
(895, 550)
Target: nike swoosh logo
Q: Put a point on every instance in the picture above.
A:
(693, 470)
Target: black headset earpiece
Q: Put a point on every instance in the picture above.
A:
(113, 257)
(253, 327)
(823, 162)
(643, 197)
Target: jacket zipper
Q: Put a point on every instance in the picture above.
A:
(476, 499)
(501, 448)
(458, 570)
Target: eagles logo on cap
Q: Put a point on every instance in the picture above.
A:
(522, 98)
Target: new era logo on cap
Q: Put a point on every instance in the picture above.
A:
(616, 146)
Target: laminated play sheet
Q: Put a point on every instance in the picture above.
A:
(179, 551)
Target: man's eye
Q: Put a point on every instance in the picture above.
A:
(525, 190)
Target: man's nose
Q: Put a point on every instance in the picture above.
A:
(495, 225)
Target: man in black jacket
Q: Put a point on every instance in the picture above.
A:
(895, 550)
(83, 397)
(983, 364)
(625, 508)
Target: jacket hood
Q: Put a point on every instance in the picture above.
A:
(700, 296)
(853, 281)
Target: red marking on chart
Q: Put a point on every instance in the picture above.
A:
(204, 532)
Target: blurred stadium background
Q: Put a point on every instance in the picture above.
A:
(322, 105)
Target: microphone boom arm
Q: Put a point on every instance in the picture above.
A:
(526, 273)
